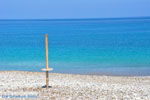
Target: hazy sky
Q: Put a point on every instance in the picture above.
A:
(53, 9)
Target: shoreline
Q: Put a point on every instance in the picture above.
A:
(92, 72)
(73, 86)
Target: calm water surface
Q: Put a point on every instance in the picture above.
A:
(84, 46)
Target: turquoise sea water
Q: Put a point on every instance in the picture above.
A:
(84, 46)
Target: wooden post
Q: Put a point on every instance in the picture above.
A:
(47, 76)
(47, 67)
(46, 42)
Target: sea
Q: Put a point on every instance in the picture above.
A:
(107, 46)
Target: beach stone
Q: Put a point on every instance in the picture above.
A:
(72, 87)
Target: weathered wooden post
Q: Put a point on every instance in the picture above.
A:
(47, 69)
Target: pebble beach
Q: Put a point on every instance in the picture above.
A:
(20, 85)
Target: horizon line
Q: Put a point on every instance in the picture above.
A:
(77, 18)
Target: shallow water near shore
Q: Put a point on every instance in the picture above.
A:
(84, 46)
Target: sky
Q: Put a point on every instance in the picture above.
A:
(62, 9)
